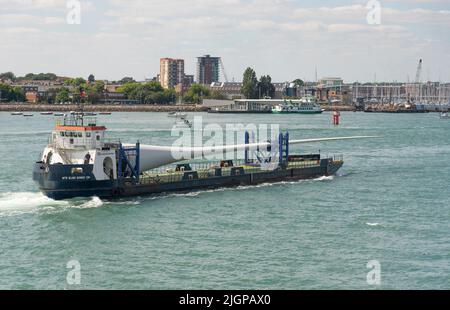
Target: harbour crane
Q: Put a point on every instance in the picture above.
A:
(419, 71)
(418, 94)
(222, 67)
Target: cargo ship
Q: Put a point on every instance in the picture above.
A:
(80, 162)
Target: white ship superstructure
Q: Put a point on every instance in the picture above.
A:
(77, 140)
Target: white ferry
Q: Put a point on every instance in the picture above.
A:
(306, 105)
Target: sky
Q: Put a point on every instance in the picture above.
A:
(286, 39)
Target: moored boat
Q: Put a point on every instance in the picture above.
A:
(445, 115)
(177, 114)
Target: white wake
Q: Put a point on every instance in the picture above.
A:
(12, 204)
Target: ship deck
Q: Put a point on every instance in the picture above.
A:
(209, 170)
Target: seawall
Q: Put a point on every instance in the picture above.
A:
(100, 108)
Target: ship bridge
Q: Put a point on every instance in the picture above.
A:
(76, 131)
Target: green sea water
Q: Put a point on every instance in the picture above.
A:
(390, 203)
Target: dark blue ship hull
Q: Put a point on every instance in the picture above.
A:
(69, 181)
(59, 181)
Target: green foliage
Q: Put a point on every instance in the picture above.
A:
(148, 93)
(196, 93)
(299, 82)
(152, 87)
(126, 80)
(94, 91)
(265, 87)
(91, 79)
(77, 82)
(254, 89)
(8, 76)
(217, 96)
(29, 76)
(9, 93)
(99, 86)
(250, 84)
(40, 77)
(128, 89)
(63, 95)
(164, 97)
(76, 86)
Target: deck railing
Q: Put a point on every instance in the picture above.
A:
(168, 174)
(207, 170)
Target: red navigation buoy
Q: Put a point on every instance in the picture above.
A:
(336, 117)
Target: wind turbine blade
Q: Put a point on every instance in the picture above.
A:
(329, 139)
(153, 156)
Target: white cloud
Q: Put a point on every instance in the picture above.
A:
(29, 4)
(279, 37)
(9, 20)
(20, 30)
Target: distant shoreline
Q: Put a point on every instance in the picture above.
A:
(26, 107)
(100, 108)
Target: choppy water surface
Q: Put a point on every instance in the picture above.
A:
(389, 203)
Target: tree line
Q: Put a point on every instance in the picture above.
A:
(77, 90)
(30, 76)
(252, 88)
(11, 94)
(148, 93)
